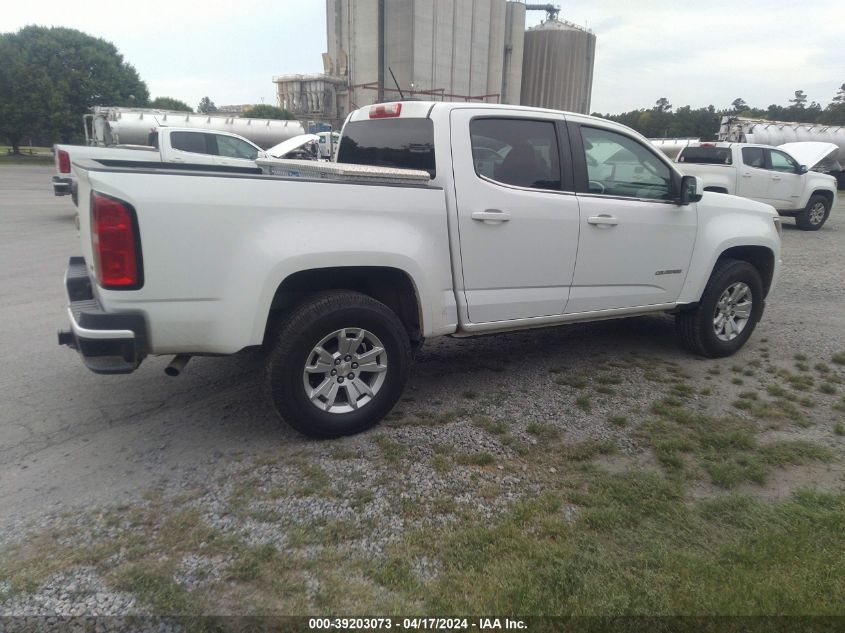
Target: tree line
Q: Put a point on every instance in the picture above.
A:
(664, 121)
(51, 77)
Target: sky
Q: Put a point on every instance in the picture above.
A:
(692, 52)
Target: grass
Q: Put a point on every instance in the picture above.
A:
(41, 156)
(392, 452)
(583, 403)
(582, 541)
(726, 449)
(618, 420)
(543, 431)
(576, 381)
(475, 459)
(838, 358)
(494, 427)
(637, 549)
(828, 388)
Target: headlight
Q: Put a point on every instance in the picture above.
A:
(778, 225)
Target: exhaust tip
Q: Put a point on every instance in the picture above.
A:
(177, 365)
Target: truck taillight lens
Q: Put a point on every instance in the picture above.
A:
(64, 162)
(385, 110)
(116, 245)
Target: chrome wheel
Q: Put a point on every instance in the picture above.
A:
(345, 370)
(816, 214)
(733, 311)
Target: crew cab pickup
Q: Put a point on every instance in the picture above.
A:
(166, 145)
(767, 174)
(509, 218)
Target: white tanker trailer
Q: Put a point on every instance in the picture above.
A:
(108, 126)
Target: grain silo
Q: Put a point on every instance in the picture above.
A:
(557, 67)
(451, 50)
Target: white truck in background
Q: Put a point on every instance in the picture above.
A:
(763, 132)
(767, 174)
(488, 218)
(176, 146)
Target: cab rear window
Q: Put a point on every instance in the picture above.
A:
(706, 155)
(399, 143)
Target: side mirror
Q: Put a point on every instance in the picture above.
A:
(803, 169)
(692, 189)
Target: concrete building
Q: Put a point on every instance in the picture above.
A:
(427, 49)
(311, 96)
(449, 50)
(557, 69)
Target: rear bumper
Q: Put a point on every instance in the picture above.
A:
(108, 342)
(62, 186)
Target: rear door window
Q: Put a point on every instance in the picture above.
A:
(754, 157)
(193, 142)
(399, 143)
(518, 152)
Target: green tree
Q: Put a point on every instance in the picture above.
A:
(28, 104)
(799, 101)
(206, 106)
(64, 72)
(169, 103)
(739, 105)
(662, 105)
(263, 111)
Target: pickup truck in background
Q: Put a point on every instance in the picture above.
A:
(771, 175)
(491, 218)
(166, 145)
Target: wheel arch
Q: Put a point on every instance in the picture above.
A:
(761, 257)
(391, 286)
(825, 193)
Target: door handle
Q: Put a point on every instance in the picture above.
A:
(177, 160)
(602, 220)
(746, 174)
(491, 216)
(775, 177)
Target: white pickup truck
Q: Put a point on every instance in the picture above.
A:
(515, 218)
(767, 174)
(166, 145)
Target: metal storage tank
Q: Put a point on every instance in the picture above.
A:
(557, 69)
(513, 54)
(438, 49)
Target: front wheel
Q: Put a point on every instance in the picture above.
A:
(338, 365)
(730, 307)
(815, 215)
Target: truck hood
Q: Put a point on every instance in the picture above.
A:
(814, 154)
(290, 145)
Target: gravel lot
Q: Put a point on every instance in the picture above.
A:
(75, 445)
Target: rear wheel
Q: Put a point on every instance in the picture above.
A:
(815, 215)
(338, 364)
(728, 312)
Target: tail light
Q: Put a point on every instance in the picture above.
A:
(385, 110)
(64, 162)
(116, 244)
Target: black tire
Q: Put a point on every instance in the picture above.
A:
(808, 220)
(302, 329)
(695, 326)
